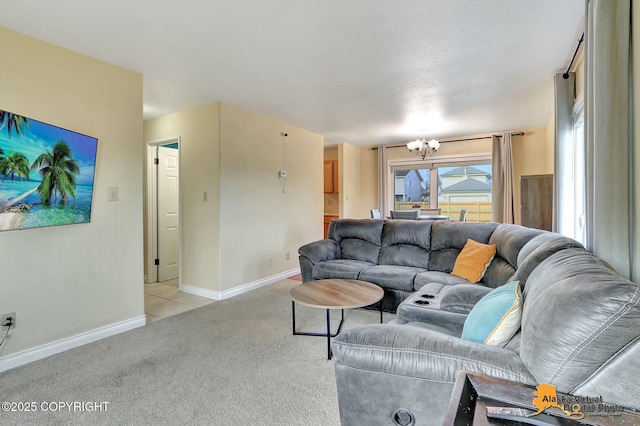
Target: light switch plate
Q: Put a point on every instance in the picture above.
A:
(113, 193)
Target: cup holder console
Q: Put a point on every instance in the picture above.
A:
(425, 299)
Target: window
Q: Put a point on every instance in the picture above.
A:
(466, 187)
(411, 188)
(572, 182)
(448, 183)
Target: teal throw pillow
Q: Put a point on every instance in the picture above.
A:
(496, 318)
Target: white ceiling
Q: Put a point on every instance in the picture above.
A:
(359, 71)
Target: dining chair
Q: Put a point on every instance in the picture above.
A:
(463, 215)
(405, 214)
(376, 214)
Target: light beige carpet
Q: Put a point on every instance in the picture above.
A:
(234, 362)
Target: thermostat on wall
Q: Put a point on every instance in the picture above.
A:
(282, 174)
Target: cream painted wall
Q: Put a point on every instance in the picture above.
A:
(258, 221)
(358, 181)
(530, 155)
(480, 146)
(242, 232)
(350, 185)
(368, 181)
(66, 280)
(199, 131)
(529, 158)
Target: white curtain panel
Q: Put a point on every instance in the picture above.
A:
(608, 132)
(502, 181)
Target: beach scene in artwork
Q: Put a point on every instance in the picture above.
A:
(46, 174)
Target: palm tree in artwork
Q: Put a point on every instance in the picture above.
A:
(13, 122)
(14, 164)
(58, 170)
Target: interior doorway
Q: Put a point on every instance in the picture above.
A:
(163, 239)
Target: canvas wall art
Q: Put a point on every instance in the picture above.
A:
(46, 174)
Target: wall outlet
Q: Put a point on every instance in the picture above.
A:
(4, 320)
(286, 256)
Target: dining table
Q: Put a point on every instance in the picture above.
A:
(433, 217)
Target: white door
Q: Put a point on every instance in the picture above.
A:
(168, 219)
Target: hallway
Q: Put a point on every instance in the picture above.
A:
(162, 300)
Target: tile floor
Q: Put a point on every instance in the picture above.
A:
(164, 299)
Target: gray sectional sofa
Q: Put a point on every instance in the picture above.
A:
(402, 256)
(580, 332)
(580, 328)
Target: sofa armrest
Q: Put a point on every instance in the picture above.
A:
(445, 305)
(315, 252)
(320, 251)
(416, 352)
(462, 298)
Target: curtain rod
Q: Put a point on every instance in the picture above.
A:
(580, 40)
(454, 140)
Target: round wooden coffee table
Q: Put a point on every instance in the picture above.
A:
(333, 294)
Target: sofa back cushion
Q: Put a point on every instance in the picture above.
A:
(359, 239)
(406, 243)
(509, 240)
(578, 313)
(448, 239)
(538, 249)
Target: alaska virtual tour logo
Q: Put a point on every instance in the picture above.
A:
(573, 406)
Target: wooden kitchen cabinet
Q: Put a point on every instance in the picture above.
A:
(331, 177)
(327, 220)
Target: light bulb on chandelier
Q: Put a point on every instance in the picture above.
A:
(423, 148)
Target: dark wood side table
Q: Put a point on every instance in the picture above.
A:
(473, 393)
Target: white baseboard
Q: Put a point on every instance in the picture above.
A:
(48, 349)
(226, 294)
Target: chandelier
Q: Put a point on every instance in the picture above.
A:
(423, 148)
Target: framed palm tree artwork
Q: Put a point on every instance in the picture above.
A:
(46, 174)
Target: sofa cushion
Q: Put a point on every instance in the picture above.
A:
(432, 287)
(578, 314)
(473, 260)
(340, 268)
(495, 319)
(405, 243)
(391, 276)
(359, 239)
(441, 278)
(448, 238)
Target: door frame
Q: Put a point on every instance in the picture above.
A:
(152, 209)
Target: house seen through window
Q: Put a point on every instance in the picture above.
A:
(451, 188)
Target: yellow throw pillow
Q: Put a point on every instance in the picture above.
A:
(473, 261)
